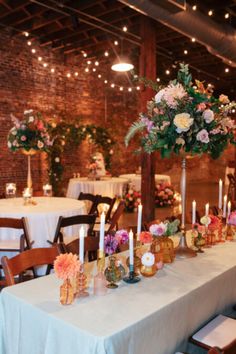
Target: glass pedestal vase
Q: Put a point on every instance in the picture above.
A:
(29, 153)
(163, 249)
(183, 251)
(66, 293)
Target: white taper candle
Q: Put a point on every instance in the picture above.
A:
(81, 244)
(102, 233)
(207, 209)
(220, 193)
(224, 206)
(139, 226)
(194, 212)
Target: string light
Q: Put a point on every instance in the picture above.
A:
(29, 42)
(96, 63)
(86, 70)
(99, 76)
(121, 88)
(40, 58)
(130, 89)
(158, 79)
(105, 81)
(209, 85)
(85, 55)
(233, 110)
(226, 70)
(226, 15)
(33, 50)
(167, 72)
(116, 42)
(76, 73)
(89, 62)
(125, 29)
(138, 88)
(68, 75)
(45, 65)
(52, 70)
(210, 12)
(112, 85)
(26, 34)
(193, 39)
(194, 7)
(94, 69)
(106, 54)
(185, 52)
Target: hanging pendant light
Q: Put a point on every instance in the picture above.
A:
(122, 65)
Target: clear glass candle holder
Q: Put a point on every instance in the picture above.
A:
(47, 190)
(27, 195)
(10, 190)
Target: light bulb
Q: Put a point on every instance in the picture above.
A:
(227, 15)
(116, 42)
(210, 13)
(185, 52)
(167, 72)
(193, 39)
(112, 85)
(33, 50)
(29, 43)
(194, 7)
(40, 58)
(76, 73)
(226, 70)
(96, 63)
(125, 29)
(45, 65)
(52, 70)
(106, 54)
(86, 70)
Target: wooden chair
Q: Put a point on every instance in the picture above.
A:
(91, 198)
(231, 195)
(109, 201)
(28, 260)
(208, 336)
(70, 221)
(91, 245)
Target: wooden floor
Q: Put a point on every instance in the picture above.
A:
(201, 192)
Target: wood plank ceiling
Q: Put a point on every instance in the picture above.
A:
(72, 27)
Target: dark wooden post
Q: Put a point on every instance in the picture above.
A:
(148, 70)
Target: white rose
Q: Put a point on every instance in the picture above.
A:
(31, 119)
(13, 131)
(159, 96)
(183, 122)
(9, 144)
(208, 115)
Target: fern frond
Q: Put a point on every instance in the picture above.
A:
(134, 129)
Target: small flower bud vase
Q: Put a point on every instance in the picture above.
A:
(112, 273)
(66, 293)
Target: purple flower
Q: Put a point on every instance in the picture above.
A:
(149, 124)
(111, 244)
(122, 236)
(203, 136)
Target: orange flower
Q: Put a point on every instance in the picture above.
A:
(66, 266)
(145, 237)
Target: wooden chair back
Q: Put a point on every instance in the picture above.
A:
(116, 216)
(109, 201)
(73, 220)
(19, 224)
(91, 245)
(231, 195)
(91, 198)
(27, 260)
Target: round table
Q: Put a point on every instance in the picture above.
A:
(41, 219)
(136, 179)
(107, 186)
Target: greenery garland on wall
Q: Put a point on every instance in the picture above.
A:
(68, 134)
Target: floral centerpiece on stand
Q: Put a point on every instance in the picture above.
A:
(164, 195)
(186, 119)
(29, 135)
(132, 198)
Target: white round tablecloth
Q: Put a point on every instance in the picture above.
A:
(109, 187)
(136, 179)
(41, 218)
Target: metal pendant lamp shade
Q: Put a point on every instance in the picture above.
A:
(123, 64)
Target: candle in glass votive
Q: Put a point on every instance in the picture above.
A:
(207, 209)
(131, 248)
(47, 190)
(229, 209)
(224, 206)
(220, 194)
(194, 212)
(27, 193)
(102, 233)
(81, 245)
(10, 190)
(140, 208)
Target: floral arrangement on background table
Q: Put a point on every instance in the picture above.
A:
(96, 167)
(164, 195)
(132, 198)
(30, 133)
(66, 267)
(186, 119)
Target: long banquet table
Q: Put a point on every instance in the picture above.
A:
(154, 316)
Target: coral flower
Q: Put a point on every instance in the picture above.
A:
(145, 237)
(66, 266)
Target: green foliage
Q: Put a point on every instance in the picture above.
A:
(134, 129)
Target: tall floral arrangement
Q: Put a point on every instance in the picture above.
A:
(29, 133)
(185, 118)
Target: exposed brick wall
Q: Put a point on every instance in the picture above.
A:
(24, 84)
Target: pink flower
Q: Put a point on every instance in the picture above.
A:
(145, 237)
(208, 116)
(232, 218)
(215, 131)
(23, 138)
(203, 136)
(122, 236)
(158, 229)
(201, 106)
(66, 266)
(215, 223)
(40, 125)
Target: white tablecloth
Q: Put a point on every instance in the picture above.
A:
(41, 218)
(136, 179)
(154, 316)
(109, 187)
